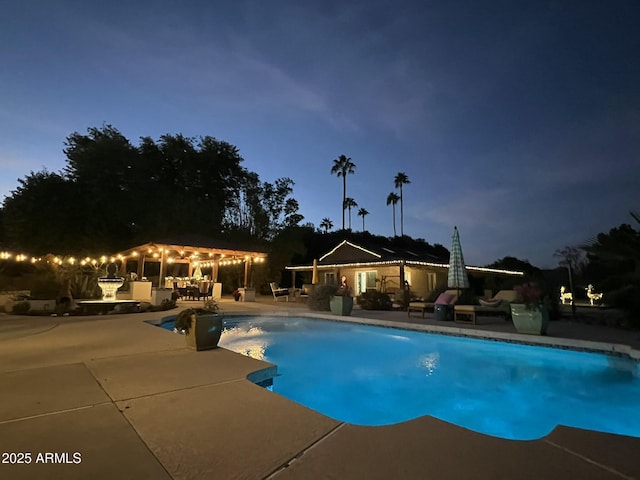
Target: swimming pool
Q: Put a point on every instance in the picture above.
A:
(368, 375)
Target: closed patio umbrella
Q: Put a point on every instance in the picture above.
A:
(197, 274)
(457, 277)
(314, 276)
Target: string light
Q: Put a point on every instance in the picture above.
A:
(103, 259)
(407, 263)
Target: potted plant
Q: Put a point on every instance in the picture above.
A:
(202, 327)
(236, 295)
(342, 302)
(528, 313)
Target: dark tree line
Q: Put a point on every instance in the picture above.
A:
(113, 194)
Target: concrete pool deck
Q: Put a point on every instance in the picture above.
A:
(131, 401)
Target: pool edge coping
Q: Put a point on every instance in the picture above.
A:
(614, 349)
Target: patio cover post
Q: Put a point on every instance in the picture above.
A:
(163, 268)
(123, 266)
(247, 266)
(403, 285)
(214, 271)
(141, 266)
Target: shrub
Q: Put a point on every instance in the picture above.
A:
(209, 306)
(21, 308)
(374, 300)
(320, 296)
(126, 308)
(183, 320)
(467, 297)
(168, 304)
(627, 300)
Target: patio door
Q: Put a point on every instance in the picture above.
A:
(365, 280)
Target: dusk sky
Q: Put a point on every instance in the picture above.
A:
(517, 121)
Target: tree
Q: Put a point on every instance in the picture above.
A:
(343, 166)
(262, 209)
(400, 180)
(46, 213)
(112, 195)
(572, 258)
(362, 213)
(392, 199)
(513, 263)
(326, 224)
(103, 165)
(614, 264)
(349, 203)
(614, 257)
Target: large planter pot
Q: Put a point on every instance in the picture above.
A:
(247, 294)
(341, 305)
(205, 331)
(530, 320)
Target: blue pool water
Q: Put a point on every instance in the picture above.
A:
(369, 375)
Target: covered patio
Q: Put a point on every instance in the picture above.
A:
(202, 261)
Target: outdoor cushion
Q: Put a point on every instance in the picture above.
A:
(491, 302)
(444, 299)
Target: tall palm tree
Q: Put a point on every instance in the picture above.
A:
(349, 203)
(362, 213)
(392, 199)
(327, 224)
(343, 166)
(401, 179)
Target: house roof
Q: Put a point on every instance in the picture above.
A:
(189, 246)
(349, 252)
(362, 254)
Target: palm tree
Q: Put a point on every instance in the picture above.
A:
(342, 167)
(392, 199)
(349, 203)
(327, 224)
(401, 179)
(362, 213)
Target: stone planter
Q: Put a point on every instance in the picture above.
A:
(341, 305)
(158, 295)
(532, 321)
(247, 294)
(205, 331)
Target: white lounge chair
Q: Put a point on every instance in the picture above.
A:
(279, 292)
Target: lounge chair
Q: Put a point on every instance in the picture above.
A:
(424, 306)
(500, 304)
(279, 292)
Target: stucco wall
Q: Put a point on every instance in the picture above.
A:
(389, 278)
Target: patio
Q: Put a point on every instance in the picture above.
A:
(136, 403)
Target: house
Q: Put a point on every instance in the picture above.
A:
(387, 267)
